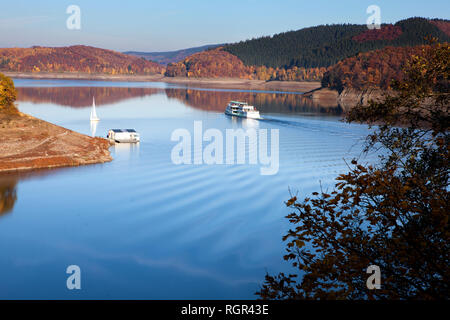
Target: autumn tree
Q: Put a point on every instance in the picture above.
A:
(394, 214)
(374, 69)
(7, 94)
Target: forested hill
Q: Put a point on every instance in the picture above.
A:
(324, 46)
(167, 57)
(374, 69)
(74, 59)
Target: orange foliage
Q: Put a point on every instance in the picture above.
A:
(443, 25)
(387, 32)
(74, 59)
(221, 64)
(374, 69)
(210, 64)
(299, 74)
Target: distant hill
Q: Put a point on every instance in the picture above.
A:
(325, 45)
(374, 69)
(167, 57)
(302, 55)
(305, 55)
(217, 63)
(210, 64)
(74, 59)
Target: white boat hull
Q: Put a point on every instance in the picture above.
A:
(123, 136)
(124, 140)
(246, 115)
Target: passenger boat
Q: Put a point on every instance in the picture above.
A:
(242, 109)
(123, 136)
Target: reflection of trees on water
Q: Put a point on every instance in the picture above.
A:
(265, 102)
(9, 185)
(8, 195)
(81, 96)
(199, 99)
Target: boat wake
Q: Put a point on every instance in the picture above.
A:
(282, 122)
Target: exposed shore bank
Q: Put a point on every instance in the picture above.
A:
(346, 99)
(214, 83)
(28, 143)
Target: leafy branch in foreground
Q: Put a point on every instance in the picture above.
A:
(394, 215)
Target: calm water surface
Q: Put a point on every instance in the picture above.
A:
(141, 227)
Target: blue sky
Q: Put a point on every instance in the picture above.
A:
(148, 25)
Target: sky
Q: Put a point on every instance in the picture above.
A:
(164, 25)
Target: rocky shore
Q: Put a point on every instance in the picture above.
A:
(29, 143)
(346, 99)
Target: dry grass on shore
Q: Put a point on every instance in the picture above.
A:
(30, 143)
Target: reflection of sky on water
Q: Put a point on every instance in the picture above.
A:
(197, 98)
(142, 227)
(87, 83)
(135, 84)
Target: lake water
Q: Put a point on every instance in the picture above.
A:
(142, 227)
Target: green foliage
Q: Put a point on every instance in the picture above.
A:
(324, 46)
(394, 215)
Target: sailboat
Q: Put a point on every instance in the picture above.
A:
(94, 125)
(94, 116)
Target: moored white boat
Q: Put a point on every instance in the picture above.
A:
(123, 136)
(242, 109)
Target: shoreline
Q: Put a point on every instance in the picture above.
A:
(213, 83)
(348, 98)
(29, 143)
(312, 90)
